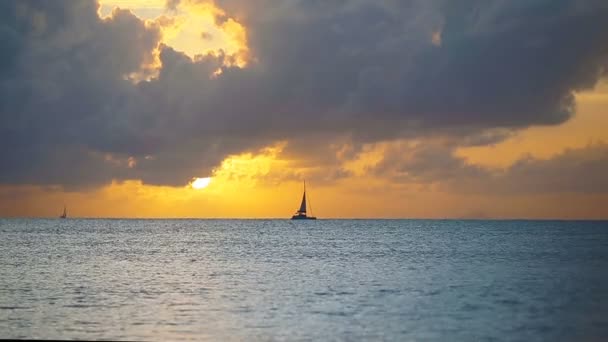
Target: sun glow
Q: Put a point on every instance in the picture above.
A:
(200, 183)
(194, 27)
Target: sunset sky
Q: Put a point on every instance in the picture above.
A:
(396, 109)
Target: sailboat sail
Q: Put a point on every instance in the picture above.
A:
(303, 205)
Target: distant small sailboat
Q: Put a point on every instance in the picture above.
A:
(65, 213)
(301, 213)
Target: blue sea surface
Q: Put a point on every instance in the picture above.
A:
(232, 280)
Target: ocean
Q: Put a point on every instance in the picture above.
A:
(234, 280)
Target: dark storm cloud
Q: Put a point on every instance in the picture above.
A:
(63, 77)
(499, 63)
(368, 70)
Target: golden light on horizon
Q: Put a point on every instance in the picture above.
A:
(200, 183)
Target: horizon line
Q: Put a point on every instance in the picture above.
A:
(321, 219)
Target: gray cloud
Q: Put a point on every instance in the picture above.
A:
(368, 70)
(65, 76)
(579, 170)
(501, 63)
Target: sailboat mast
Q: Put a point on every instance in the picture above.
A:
(305, 206)
(308, 199)
(305, 192)
(310, 205)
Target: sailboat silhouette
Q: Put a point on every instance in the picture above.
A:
(64, 214)
(301, 213)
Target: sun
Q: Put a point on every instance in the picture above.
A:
(200, 183)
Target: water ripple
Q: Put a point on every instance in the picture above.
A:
(281, 280)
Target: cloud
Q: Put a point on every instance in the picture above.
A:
(580, 170)
(368, 70)
(64, 77)
(206, 35)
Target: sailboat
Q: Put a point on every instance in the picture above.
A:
(65, 213)
(301, 213)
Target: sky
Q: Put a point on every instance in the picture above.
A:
(221, 109)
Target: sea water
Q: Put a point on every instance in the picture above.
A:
(394, 280)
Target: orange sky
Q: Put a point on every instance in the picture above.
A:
(253, 185)
(244, 187)
(588, 126)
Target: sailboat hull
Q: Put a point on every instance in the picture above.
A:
(302, 217)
